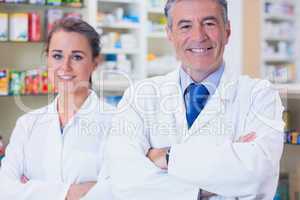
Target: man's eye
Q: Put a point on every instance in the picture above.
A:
(209, 24)
(57, 56)
(185, 27)
(77, 57)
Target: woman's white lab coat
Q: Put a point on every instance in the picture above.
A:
(51, 159)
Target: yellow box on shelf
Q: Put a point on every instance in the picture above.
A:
(4, 82)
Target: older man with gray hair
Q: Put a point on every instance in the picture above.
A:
(200, 131)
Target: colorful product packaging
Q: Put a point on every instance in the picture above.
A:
(73, 3)
(34, 27)
(32, 82)
(54, 2)
(3, 26)
(18, 23)
(4, 81)
(73, 14)
(44, 84)
(16, 82)
(41, 2)
(52, 16)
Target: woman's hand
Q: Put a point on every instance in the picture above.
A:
(24, 179)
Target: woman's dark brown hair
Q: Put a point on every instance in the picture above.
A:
(72, 24)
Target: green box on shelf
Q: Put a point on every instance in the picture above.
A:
(54, 2)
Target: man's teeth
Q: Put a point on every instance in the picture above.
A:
(200, 50)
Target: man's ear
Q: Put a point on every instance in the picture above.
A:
(228, 31)
(169, 33)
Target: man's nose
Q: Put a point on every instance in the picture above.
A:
(199, 33)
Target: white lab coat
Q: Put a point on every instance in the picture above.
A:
(206, 156)
(51, 160)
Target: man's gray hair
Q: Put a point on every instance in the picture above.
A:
(170, 4)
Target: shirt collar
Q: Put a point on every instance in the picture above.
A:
(211, 82)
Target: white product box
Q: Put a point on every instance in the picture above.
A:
(18, 24)
(3, 26)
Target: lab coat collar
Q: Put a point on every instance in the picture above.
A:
(224, 94)
(90, 105)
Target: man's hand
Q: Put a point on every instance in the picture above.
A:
(158, 157)
(77, 191)
(247, 138)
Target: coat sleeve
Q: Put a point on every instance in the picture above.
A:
(102, 189)
(12, 169)
(133, 175)
(236, 169)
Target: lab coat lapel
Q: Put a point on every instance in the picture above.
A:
(178, 106)
(214, 110)
(53, 145)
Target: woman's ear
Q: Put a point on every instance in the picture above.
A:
(97, 61)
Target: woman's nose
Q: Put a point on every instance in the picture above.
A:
(66, 65)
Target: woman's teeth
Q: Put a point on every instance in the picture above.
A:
(67, 78)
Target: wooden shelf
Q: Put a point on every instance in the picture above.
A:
(279, 17)
(157, 35)
(279, 39)
(289, 90)
(21, 42)
(40, 6)
(156, 10)
(120, 25)
(119, 51)
(112, 85)
(31, 95)
(278, 59)
(118, 1)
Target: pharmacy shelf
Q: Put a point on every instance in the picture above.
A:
(120, 25)
(118, 1)
(25, 95)
(278, 59)
(157, 35)
(279, 39)
(276, 1)
(290, 88)
(112, 85)
(22, 42)
(155, 10)
(279, 17)
(39, 6)
(120, 51)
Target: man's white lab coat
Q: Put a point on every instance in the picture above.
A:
(206, 156)
(53, 160)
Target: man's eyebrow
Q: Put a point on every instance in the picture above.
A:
(183, 21)
(210, 18)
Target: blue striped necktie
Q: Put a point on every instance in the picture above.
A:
(196, 100)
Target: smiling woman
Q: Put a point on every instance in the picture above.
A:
(56, 152)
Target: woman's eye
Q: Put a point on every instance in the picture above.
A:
(77, 57)
(57, 56)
